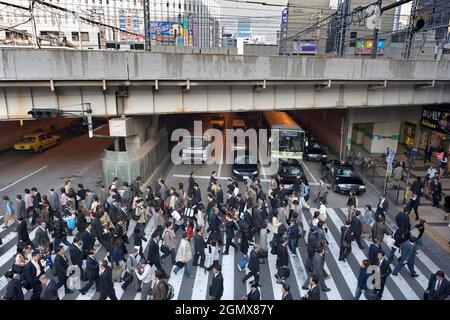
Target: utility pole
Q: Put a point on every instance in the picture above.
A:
(375, 34)
(147, 26)
(411, 29)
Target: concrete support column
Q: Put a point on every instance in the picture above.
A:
(348, 131)
(382, 135)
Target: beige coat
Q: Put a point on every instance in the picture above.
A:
(106, 222)
(184, 253)
(141, 213)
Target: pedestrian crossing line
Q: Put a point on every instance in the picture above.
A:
(272, 261)
(345, 269)
(298, 269)
(175, 280)
(356, 251)
(200, 288)
(228, 274)
(422, 280)
(118, 289)
(333, 294)
(403, 285)
(10, 236)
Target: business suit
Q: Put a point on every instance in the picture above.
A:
(20, 210)
(313, 293)
(88, 242)
(216, 288)
(437, 291)
(76, 256)
(92, 275)
(30, 274)
(402, 221)
(61, 266)
(385, 272)
(373, 254)
(13, 290)
(407, 257)
(199, 247)
(254, 295)
(153, 256)
(41, 238)
(22, 233)
(229, 232)
(356, 230)
(54, 203)
(50, 291)
(317, 264)
(36, 207)
(282, 256)
(287, 296)
(253, 266)
(106, 285)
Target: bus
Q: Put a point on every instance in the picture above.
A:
(291, 135)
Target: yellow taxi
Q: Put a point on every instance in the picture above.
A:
(36, 142)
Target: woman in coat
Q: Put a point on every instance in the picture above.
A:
(106, 221)
(184, 256)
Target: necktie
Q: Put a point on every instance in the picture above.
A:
(438, 285)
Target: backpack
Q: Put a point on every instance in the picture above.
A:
(170, 291)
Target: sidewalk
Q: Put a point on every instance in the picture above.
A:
(436, 227)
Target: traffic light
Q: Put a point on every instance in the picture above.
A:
(45, 113)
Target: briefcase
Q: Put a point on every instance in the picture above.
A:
(263, 254)
(284, 272)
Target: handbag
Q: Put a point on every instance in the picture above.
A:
(390, 241)
(176, 215)
(164, 249)
(415, 233)
(284, 272)
(263, 254)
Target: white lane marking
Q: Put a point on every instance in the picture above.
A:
(357, 252)
(345, 269)
(21, 179)
(228, 274)
(8, 238)
(333, 294)
(200, 289)
(220, 164)
(175, 280)
(309, 171)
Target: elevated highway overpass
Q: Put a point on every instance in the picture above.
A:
(145, 83)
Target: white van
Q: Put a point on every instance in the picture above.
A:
(195, 149)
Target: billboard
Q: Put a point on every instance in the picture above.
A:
(174, 33)
(305, 47)
(364, 46)
(437, 119)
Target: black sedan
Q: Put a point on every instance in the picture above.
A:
(289, 171)
(245, 167)
(340, 174)
(314, 152)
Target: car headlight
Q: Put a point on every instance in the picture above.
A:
(341, 185)
(324, 156)
(362, 187)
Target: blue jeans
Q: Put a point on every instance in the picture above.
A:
(293, 245)
(358, 293)
(400, 265)
(391, 254)
(187, 270)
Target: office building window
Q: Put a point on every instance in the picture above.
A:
(353, 35)
(84, 36)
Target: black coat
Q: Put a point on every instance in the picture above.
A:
(215, 224)
(36, 200)
(41, 238)
(385, 270)
(76, 255)
(402, 221)
(153, 256)
(253, 263)
(60, 228)
(61, 265)
(91, 268)
(51, 291)
(30, 272)
(106, 283)
(88, 241)
(22, 232)
(443, 291)
(282, 255)
(97, 230)
(314, 293)
(258, 220)
(199, 243)
(14, 290)
(356, 226)
(288, 296)
(229, 229)
(255, 295)
(219, 197)
(373, 254)
(216, 288)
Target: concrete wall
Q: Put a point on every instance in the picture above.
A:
(149, 161)
(10, 131)
(381, 136)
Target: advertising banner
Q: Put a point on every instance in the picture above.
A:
(305, 47)
(364, 46)
(437, 119)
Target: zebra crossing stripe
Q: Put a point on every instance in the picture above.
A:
(10, 236)
(272, 261)
(228, 274)
(345, 269)
(200, 288)
(356, 251)
(333, 294)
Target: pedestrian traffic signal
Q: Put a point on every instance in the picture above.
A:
(45, 113)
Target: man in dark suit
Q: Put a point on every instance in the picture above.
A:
(36, 204)
(41, 238)
(76, 255)
(214, 227)
(88, 240)
(106, 283)
(402, 221)
(356, 229)
(253, 265)
(254, 293)
(385, 272)
(314, 292)
(61, 266)
(136, 185)
(438, 287)
(92, 273)
(282, 257)
(230, 226)
(153, 256)
(374, 249)
(22, 232)
(199, 247)
(407, 257)
(49, 288)
(31, 273)
(53, 200)
(13, 288)
(216, 288)
(382, 207)
(317, 263)
(20, 209)
(286, 288)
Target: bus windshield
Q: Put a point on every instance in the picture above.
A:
(291, 141)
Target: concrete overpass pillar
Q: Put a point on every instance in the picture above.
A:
(382, 135)
(146, 150)
(348, 129)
